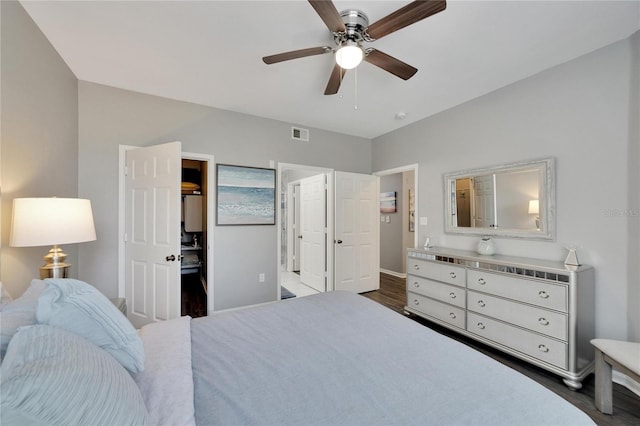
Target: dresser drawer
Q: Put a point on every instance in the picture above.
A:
(552, 296)
(452, 294)
(437, 271)
(442, 311)
(540, 347)
(543, 321)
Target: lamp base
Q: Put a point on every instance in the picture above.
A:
(59, 271)
(55, 266)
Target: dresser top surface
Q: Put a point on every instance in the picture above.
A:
(497, 259)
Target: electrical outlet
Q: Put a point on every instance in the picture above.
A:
(388, 219)
(381, 218)
(423, 221)
(261, 277)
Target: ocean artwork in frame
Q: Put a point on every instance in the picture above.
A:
(245, 195)
(387, 202)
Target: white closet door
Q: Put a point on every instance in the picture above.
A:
(152, 248)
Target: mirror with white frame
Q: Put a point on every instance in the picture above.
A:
(511, 200)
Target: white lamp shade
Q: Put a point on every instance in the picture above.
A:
(349, 56)
(534, 207)
(51, 221)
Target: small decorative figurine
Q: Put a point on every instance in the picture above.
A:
(486, 246)
(427, 244)
(572, 258)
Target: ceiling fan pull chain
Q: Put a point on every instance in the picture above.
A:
(355, 106)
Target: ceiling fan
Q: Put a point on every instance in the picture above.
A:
(350, 29)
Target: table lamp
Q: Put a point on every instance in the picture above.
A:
(51, 221)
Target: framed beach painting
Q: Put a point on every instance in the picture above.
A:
(245, 195)
(387, 202)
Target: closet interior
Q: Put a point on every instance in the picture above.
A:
(194, 238)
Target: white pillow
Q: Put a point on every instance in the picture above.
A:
(81, 309)
(53, 377)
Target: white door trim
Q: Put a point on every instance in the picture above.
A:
(122, 162)
(407, 168)
(330, 231)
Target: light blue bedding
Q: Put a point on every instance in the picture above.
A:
(339, 358)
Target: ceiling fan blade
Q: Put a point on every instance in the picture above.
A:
(390, 64)
(405, 16)
(334, 81)
(295, 54)
(329, 15)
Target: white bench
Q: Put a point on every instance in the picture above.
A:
(624, 357)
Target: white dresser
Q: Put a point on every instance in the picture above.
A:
(537, 310)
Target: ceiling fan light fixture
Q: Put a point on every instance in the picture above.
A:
(349, 55)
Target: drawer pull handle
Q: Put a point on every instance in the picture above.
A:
(416, 302)
(481, 326)
(452, 315)
(543, 294)
(543, 348)
(481, 281)
(416, 284)
(481, 303)
(543, 321)
(452, 274)
(453, 295)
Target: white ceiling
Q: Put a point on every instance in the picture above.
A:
(209, 52)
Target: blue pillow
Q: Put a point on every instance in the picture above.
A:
(81, 309)
(53, 377)
(19, 312)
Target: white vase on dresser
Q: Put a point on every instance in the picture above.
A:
(537, 310)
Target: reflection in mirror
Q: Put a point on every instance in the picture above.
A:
(514, 200)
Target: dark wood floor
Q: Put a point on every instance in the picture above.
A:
(626, 405)
(194, 298)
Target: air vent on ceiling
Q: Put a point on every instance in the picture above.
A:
(299, 134)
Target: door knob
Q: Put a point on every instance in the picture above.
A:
(171, 258)
(300, 236)
(339, 242)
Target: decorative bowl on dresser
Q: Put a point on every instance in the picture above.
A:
(538, 310)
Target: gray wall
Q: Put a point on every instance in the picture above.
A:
(39, 135)
(581, 113)
(109, 117)
(391, 250)
(633, 167)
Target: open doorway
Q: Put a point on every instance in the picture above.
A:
(302, 186)
(194, 237)
(398, 218)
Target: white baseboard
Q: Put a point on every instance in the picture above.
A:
(626, 381)
(393, 273)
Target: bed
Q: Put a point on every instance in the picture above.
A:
(329, 359)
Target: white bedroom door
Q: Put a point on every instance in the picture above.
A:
(297, 237)
(152, 233)
(484, 201)
(313, 225)
(357, 232)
